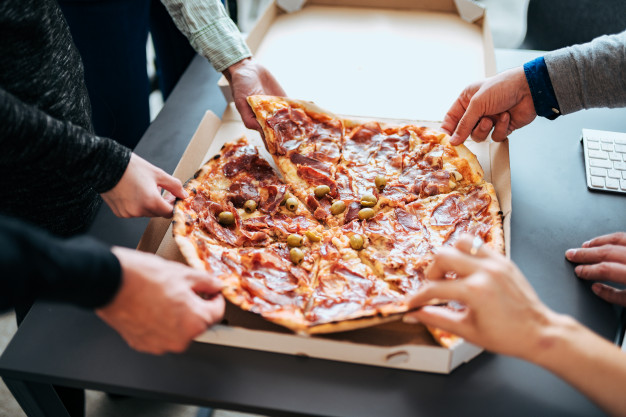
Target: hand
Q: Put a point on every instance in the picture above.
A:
(157, 309)
(502, 314)
(603, 259)
(502, 103)
(138, 193)
(247, 78)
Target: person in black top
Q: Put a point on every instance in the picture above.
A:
(151, 302)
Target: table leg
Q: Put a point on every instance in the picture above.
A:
(36, 399)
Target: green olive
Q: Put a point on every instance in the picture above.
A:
(226, 218)
(294, 240)
(366, 213)
(286, 197)
(380, 181)
(321, 191)
(356, 242)
(291, 203)
(250, 206)
(338, 207)
(296, 255)
(368, 200)
(312, 236)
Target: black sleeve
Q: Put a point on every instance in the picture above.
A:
(80, 270)
(31, 136)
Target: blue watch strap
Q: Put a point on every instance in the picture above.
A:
(541, 89)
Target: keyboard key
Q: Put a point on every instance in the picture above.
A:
(620, 148)
(622, 184)
(624, 175)
(600, 163)
(619, 165)
(593, 144)
(607, 147)
(614, 156)
(620, 141)
(597, 182)
(613, 173)
(612, 183)
(601, 172)
(599, 154)
(604, 139)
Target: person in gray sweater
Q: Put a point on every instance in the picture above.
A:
(503, 313)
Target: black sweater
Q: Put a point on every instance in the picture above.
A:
(36, 264)
(52, 166)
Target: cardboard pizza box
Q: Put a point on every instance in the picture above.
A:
(435, 26)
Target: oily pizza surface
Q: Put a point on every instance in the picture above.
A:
(342, 234)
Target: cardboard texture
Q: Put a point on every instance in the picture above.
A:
(340, 55)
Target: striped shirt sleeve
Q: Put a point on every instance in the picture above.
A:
(210, 31)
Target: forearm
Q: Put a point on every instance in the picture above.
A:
(591, 364)
(589, 75)
(209, 30)
(35, 264)
(31, 136)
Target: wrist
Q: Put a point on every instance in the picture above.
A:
(237, 66)
(552, 338)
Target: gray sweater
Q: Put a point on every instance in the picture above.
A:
(52, 166)
(589, 75)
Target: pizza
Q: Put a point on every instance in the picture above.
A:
(341, 233)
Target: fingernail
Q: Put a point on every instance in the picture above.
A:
(484, 124)
(185, 194)
(586, 244)
(570, 253)
(578, 270)
(504, 117)
(410, 320)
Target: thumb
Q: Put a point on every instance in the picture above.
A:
(466, 124)
(203, 283)
(171, 184)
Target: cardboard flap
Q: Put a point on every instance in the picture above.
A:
(469, 10)
(290, 6)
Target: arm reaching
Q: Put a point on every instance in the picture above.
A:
(214, 36)
(603, 259)
(157, 308)
(504, 314)
(502, 102)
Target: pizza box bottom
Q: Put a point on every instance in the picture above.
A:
(393, 344)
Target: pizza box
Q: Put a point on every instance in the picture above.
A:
(400, 60)
(393, 344)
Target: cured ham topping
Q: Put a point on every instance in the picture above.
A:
(247, 159)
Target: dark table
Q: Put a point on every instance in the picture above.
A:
(552, 211)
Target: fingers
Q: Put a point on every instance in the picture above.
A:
(501, 129)
(451, 119)
(171, 184)
(610, 294)
(247, 115)
(467, 123)
(457, 259)
(604, 271)
(439, 317)
(591, 255)
(204, 283)
(440, 290)
(482, 129)
(618, 238)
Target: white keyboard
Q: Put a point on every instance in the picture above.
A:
(605, 160)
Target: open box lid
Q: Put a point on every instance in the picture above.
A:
(400, 59)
